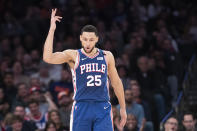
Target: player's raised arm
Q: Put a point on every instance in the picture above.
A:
(118, 87)
(48, 55)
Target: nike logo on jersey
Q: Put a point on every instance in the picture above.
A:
(99, 58)
(83, 58)
(93, 67)
(105, 107)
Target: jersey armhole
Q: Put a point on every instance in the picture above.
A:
(77, 61)
(105, 58)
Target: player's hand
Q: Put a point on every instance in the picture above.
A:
(117, 124)
(123, 115)
(54, 19)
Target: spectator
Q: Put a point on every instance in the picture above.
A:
(5, 46)
(189, 122)
(35, 82)
(45, 100)
(40, 118)
(27, 64)
(149, 91)
(155, 8)
(19, 53)
(4, 104)
(4, 67)
(55, 117)
(133, 108)
(131, 124)
(122, 72)
(35, 59)
(65, 105)
(26, 123)
(8, 86)
(6, 123)
(171, 124)
(193, 27)
(43, 75)
(16, 124)
(18, 74)
(65, 84)
(137, 98)
(50, 126)
(22, 96)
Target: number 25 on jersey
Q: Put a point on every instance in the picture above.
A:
(94, 80)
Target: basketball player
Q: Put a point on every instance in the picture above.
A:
(90, 68)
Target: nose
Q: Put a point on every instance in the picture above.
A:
(88, 43)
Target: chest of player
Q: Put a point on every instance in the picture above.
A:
(92, 67)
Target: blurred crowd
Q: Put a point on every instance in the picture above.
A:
(152, 42)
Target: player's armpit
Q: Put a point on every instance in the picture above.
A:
(61, 57)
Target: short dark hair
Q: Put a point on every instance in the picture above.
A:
(19, 105)
(89, 28)
(16, 118)
(21, 83)
(172, 116)
(188, 113)
(33, 101)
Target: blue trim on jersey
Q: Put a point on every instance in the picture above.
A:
(91, 78)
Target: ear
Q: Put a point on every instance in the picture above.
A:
(97, 38)
(164, 125)
(80, 37)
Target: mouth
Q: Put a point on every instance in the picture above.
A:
(87, 49)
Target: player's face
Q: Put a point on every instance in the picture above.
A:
(88, 41)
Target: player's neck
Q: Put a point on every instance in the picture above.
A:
(92, 53)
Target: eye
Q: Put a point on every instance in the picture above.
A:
(85, 39)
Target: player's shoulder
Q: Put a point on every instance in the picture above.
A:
(108, 53)
(109, 56)
(70, 52)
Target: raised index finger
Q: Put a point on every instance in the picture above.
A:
(53, 12)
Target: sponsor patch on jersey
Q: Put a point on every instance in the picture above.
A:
(99, 58)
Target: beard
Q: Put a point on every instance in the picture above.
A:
(88, 51)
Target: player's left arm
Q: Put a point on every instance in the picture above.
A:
(117, 86)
